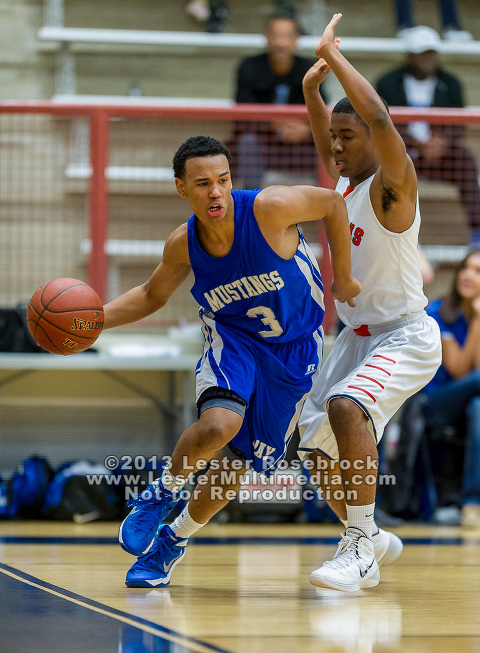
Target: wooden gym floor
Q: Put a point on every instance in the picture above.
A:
(241, 588)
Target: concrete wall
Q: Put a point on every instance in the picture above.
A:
(27, 68)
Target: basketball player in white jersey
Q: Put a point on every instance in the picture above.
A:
(389, 349)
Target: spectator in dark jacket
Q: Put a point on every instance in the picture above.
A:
(273, 77)
(437, 150)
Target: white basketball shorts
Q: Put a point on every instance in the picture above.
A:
(378, 372)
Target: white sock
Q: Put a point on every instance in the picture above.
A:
(184, 526)
(172, 483)
(361, 517)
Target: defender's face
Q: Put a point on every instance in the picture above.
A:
(208, 187)
(351, 146)
(468, 279)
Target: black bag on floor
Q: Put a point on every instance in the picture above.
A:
(80, 492)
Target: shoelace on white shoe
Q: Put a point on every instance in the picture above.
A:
(347, 552)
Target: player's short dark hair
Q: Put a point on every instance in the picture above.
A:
(345, 106)
(197, 146)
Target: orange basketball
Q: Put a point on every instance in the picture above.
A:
(65, 316)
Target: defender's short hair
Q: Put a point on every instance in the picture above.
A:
(345, 106)
(197, 146)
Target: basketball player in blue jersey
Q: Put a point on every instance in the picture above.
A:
(390, 348)
(261, 307)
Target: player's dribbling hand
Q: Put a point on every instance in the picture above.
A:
(346, 291)
(328, 38)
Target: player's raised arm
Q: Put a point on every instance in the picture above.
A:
(397, 169)
(319, 114)
(279, 208)
(141, 301)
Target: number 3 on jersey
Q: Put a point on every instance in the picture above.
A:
(268, 318)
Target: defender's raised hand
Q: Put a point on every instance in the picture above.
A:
(328, 38)
(315, 75)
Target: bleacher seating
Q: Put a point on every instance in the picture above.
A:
(70, 40)
(106, 35)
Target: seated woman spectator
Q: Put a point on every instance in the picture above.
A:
(453, 396)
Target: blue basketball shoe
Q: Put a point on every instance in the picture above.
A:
(149, 509)
(155, 567)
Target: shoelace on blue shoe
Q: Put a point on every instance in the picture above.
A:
(144, 518)
(160, 548)
(138, 500)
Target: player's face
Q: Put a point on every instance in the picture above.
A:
(468, 279)
(208, 187)
(351, 146)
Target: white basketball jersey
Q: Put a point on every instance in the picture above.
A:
(385, 263)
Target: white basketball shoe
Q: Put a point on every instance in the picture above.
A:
(353, 566)
(387, 547)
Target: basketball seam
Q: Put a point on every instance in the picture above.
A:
(58, 294)
(45, 306)
(72, 310)
(49, 339)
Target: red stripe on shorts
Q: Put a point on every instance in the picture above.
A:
(377, 368)
(369, 378)
(384, 358)
(354, 387)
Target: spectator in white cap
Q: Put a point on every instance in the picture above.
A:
(437, 150)
(421, 39)
(449, 17)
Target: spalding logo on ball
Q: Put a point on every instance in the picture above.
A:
(65, 316)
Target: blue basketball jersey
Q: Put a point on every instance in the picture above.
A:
(254, 289)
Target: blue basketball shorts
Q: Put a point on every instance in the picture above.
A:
(273, 379)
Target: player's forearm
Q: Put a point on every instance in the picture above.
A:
(130, 307)
(364, 98)
(337, 230)
(319, 117)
